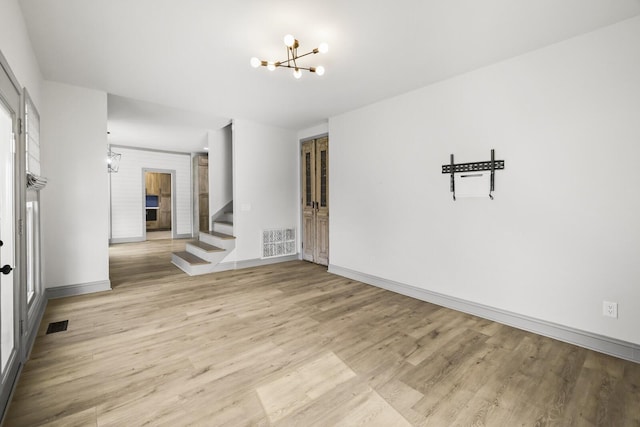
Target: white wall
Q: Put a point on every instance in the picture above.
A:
(265, 184)
(562, 234)
(220, 169)
(127, 190)
(16, 48)
(75, 202)
(320, 129)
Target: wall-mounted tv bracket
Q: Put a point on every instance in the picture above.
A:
(491, 165)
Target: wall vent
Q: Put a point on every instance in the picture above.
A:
(278, 242)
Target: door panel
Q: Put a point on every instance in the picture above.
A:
(322, 240)
(308, 201)
(10, 342)
(321, 254)
(164, 213)
(315, 200)
(7, 250)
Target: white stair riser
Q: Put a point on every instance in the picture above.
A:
(212, 257)
(227, 216)
(223, 228)
(191, 270)
(227, 244)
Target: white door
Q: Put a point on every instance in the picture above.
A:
(9, 295)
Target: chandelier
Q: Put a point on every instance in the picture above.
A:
(292, 58)
(113, 161)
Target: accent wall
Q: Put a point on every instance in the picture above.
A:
(127, 192)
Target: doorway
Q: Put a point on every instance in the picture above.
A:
(158, 205)
(10, 344)
(315, 200)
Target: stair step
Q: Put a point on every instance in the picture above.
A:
(191, 258)
(205, 246)
(222, 226)
(219, 235)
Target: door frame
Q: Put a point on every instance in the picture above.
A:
(171, 172)
(14, 366)
(301, 189)
(34, 312)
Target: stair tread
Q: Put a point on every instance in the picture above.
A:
(205, 246)
(220, 235)
(191, 258)
(223, 222)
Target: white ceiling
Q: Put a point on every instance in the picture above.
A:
(193, 55)
(144, 124)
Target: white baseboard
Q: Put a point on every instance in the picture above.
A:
(265, 261)
(117, 240)
(79, 289)
(248, 263)
(600, 343)
(137, 239)
(35, 318)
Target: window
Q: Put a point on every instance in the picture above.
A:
(32, 220)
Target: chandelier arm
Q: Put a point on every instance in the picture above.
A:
(306, 54)
(294, 67)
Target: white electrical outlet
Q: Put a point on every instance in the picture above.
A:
(610, 309)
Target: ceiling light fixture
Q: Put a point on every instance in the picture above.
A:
(292, 57)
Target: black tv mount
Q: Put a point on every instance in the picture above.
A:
(491, 165)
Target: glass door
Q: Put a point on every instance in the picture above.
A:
(9, 295)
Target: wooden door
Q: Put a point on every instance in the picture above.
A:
(164, 211)
(315, 201)
(203, 191)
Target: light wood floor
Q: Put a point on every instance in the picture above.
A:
(290, 344)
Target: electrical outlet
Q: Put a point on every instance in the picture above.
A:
(610, 309)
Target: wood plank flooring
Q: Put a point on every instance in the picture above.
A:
(290, 344)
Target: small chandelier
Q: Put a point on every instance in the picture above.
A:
(292, 56)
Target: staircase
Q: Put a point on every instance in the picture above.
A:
(202, 256)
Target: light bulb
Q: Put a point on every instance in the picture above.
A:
(297, 73)
(320, 70)
(255, 62)
(271, 66)
(323, 48)
(289, 40)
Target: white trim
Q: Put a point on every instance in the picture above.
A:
(258, 262)
(311, 138)
(78, 289)
(34, 323)
(117, 240)
(614, 347)
(153, 150)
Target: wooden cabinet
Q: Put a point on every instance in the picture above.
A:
(159, 184)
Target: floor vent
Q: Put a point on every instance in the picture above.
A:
(278, 242)
(57, 327)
